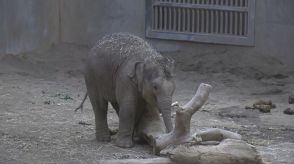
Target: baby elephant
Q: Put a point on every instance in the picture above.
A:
(126, 71)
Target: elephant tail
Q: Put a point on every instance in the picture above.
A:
(80, 107)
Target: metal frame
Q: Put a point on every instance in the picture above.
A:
(247, 40)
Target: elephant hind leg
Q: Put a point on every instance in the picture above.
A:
(100, 110)
(102, 130)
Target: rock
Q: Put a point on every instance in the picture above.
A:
(47, 102)
(279, 76)
(289, 111)
(291, 99)
(262, 106)
(262, 102)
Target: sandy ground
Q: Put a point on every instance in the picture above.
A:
(39, 92)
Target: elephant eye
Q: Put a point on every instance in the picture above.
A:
(155, 87)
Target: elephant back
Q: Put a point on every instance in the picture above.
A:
(124, 46)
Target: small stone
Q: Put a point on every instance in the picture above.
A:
(263, 108)
(262, 102)
(279, 76)
(66, 97)
(289, 111)
(47, 102)
(291, 99)
(83, 123)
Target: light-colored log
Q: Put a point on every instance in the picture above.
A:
(215, 134)
(229, 151)
(181, 132)
(158, 160)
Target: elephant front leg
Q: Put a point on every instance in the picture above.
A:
(127, 115)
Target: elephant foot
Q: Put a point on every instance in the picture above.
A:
(124, 142)
(103, 137)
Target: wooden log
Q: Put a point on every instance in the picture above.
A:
(229, 151)
(215, 134)
(181, 132)
(159, 160)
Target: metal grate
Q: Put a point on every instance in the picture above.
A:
(212, 21)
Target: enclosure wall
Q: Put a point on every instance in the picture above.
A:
(27, 25)
(32, 24)
(86, 21)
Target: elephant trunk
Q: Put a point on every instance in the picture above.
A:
(164, 105)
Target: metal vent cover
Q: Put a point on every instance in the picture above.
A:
(210, 21)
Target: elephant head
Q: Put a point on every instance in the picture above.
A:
(154, 79)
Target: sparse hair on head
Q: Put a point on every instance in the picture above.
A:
(165, 63)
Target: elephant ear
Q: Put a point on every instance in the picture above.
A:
(136, 74)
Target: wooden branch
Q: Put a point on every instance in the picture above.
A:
(181, 132)
(229, 151)
(215, 134)
(198, 99)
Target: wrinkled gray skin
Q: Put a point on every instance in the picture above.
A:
(124, 70)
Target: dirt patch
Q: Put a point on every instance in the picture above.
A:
(244, 66)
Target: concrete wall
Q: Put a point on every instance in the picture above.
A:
(84, 21)
(32, 24)
(88, 20)
(27, 25)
